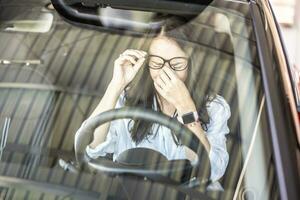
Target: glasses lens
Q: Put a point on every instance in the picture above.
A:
(155, 62)
(179, 63)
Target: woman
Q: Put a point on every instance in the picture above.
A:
(161, 79)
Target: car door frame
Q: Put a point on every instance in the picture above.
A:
(279, 101)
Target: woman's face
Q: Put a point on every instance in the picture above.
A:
(167, 48)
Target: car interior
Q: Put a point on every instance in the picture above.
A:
(52, 81)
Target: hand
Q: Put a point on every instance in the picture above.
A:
(171, 88)
(126, 66)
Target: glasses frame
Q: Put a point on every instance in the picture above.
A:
(168, 61)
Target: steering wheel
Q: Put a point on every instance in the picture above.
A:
(130, 162)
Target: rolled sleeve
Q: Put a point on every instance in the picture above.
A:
(108, 146)
(110, 143)
(219, 112)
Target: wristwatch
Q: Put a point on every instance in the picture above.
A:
(188, 118)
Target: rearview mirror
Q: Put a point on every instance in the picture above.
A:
(130, 16)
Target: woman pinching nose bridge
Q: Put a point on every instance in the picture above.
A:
(165, 85)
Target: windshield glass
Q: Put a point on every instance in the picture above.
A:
(201, 70)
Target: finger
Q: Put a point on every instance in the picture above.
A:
(132, 53)
(165, 78)
(120, 61)
(139, 64)
(124, 58)
(140, 52)
(160, 82)
(158, 89)
(171, 74)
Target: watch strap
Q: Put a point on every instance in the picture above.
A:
(188, 117)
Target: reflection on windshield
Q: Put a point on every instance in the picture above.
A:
(204, 75)
(127, 19)
(162, 78)
(42, 24)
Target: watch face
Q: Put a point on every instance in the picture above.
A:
(188, 118)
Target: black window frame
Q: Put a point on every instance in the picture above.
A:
(282, 130)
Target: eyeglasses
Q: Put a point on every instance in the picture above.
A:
(176, 63)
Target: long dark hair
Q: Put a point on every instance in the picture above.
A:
(140, 92)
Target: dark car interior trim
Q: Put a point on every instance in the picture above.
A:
(284, 155)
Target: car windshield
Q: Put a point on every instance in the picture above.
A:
(55, 73)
